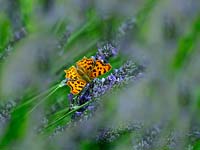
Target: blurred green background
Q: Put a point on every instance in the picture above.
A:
(41, 38)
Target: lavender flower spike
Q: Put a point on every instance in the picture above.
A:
(105, 52)
(98, 87)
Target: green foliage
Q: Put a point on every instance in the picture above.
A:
(16, 128)
(5, 31)
(26, 9)
(186, 45)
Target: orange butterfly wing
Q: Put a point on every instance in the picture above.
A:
(75, 82)
(86, 65)
(76, 86)
(99, 69)
(72, 73)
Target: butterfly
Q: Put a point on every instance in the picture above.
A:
(85, 71)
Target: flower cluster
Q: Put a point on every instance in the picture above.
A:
(148, 138)
(106, 52)
(125, 28)
(5, 110)
(17, 36)
(110, 134)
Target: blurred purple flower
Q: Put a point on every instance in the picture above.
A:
(78, 113)
(112, 134)
(70, 98)
(91, 108)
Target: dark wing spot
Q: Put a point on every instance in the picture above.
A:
(71, 86)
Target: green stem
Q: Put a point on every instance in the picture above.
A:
(51, 93)
(68, 113)
(36, 97)
(52, 90)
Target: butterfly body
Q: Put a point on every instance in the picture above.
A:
(83, 75)
(85, 71)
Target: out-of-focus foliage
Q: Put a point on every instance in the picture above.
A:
(149, 100)
(5, 31)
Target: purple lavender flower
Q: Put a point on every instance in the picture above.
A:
(70, 98)
(147, 141)
(110, 134)
(106, 52)
(77, 114)
(91, 108)
(112, 78)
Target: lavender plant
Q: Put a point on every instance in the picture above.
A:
(86, 102)
(151, 105)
